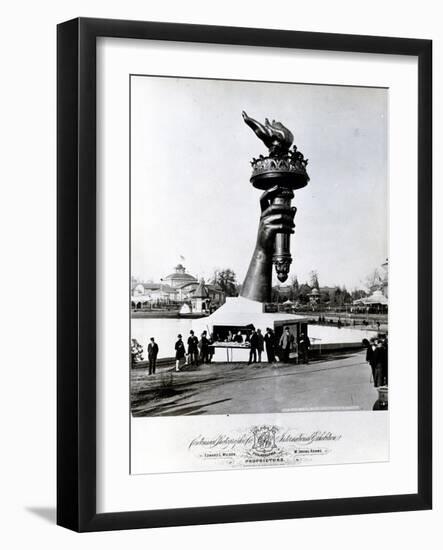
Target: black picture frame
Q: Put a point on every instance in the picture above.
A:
(76, 266)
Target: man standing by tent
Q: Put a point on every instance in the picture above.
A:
(286, 341)
(253, 342)
(204, 347)
(192, 348)
(270, 345)
(304, 345)
(260, 344)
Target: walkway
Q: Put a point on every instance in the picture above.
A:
(334, 382)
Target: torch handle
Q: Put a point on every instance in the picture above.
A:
(282, 252)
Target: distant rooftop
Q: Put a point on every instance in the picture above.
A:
(180, 276)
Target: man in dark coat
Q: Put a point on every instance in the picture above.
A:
(286, 341)
(270, 345)
(204, 347)
(368, 346)
(180, 352)
(260, 344)
(379, 362)
(385, 365)
(192, 348)
(211, 350)
(253, 342)
(370, 355)
(152, 355)
(238, 338)
(304, 344)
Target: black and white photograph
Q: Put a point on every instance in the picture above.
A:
(222, 309)
(259, 262)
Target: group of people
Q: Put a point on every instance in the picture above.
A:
(201, 350)
(300, 346)
(281, 349)
(198, 350)
(377, 357)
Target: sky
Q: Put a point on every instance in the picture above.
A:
(190, 169)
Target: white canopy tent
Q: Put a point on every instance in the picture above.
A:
(243, 312)
(376, 298)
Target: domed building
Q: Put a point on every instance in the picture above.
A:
(179, 278)
(175, 289)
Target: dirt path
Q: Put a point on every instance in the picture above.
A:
(236, 388)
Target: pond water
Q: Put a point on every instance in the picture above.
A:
(165, 333)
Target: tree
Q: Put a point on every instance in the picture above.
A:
(226, 279)
(313, 280)
(337, 299)
(346, 296)
(356, 294)
(374, 281)
(303, 292)
(136, 351)
(295, 287)
(325, 297)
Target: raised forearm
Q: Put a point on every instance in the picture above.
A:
(274, 219)
(258, 281)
